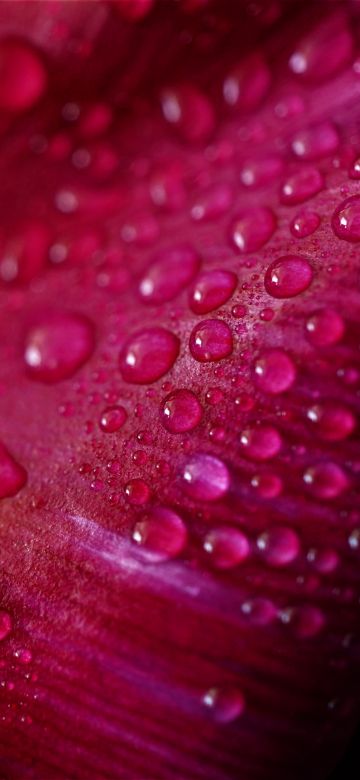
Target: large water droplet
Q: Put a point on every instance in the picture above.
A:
(279, 545)
(57, 345)
(211, 340)
(225, 704)
(346, 220)
(315, 142)
(248, 83)
(325, 327)
(275, 371)
(304, 223)
(251, 228)
(211, 290)
(23, 78)
(12, 476)
(259, 611)
(189, 111)
(326, 480)
(181, 411)
(301, 185)
(171, 270)
(260, 442)
(226, 547)
(148, 355)
(305, 621)
(212, 203)
(288, 276)
(137, 492)
(160, 535)
(206, 477)
(332, 421)
(324, 50)
(261, 171)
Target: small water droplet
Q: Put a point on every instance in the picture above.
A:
(148, 354)
(324, 328)
(248, 83)
(260, 442)
(189, 111)
(225, 704)
(211, 340)
(212, 203)
(288, 276)
(275, 371)
(137, 492)
(57, 345)
(267, 485)
(160, 535)
(324, 560)
(346, 220)
(315, 142)
(206, 477)
(226, 547)
(259, 611)
(5, 624)
(171, 270)
(332, 421)
(112, 419)
(326, 480)
(251, 228)
(211, 290)
(304, 224)
(324, 50)
(279, 546)
(181, 411)
(301, 185)
(305, 621)
(12, 476)
(262, 171)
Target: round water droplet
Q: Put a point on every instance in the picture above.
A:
(211, 340)
(225, 704)
(12, 476)
(251, 228)
(57, 345)
(326, 480)
(315, 142)
(5, 624)
(324, 50)
(260, 442)
(226, 547)
(324, 561)
(137, 492)
(325, 327)
(189, 111)
(275, 371)
(23, 78)
(304, 224)
(171, 270)
(305, 621)
(279, 546)
(301, 185)
(267, 485)
(354, 170)
(148, 355)
(181, 411)
(288, 276)
(332, 421)
(112, 419)
(346, 220)
(160, 535)
(259, 611)
(262, 171)
(211, 290)
(248, 83)
(167, 187)
(206, 477)
(212, 203)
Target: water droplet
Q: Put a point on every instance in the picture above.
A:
(332, 421)
(305, 621)
(148, 355)
(214, 396)
(5, 624)
(181, 411)
(167, 187)
(206, 477)
(260, 442)
(279, 546)
(315, 142)
(268, 485)
(142, 230)
(354, 170)
(324, 561)
(326, 480)
(226, 547)
(251, 228)
(248, 83)
(346, 220)
(288, 276)
(301, 185)
(211, 290)
(23, 78)
(211, 340)
(262, 171)
(171, 270)
(137, 492)
(189, 111)
(304, 224)
(259, 611)
(324, 328)
(225, 704)
(57, 345)
(212, 203)
(160, 535)
(324, 51)
(12, 476)
(112, 419)
(275, 371)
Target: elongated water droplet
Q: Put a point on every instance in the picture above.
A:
(148, 355)
(57, 345)
(211, 340)
(288, 276)
(211, 290)
(206, 477)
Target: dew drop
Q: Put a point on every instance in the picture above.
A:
(225, 704)
(211, 340)
(279, 546)
(206, 478)
(267, 485)
(288, 276)
(259, 611)
(180, 411)
(211, 290)
(274, 371)
(112, 419)
(57, 345)
(148, 354)
(137, 492)
(304, 224)
(324, 328)
(305, 621)
(12, 476)
(259, 172)
(260, 442)
(324, 561)
(248, 83)
(189, 111)
(332, 421)
(315, 142)
(324, 51)
(301, 185)
(170, 271)
(354, 170)
(226, 547)
(212, 203)
(326, 480)
(346, 220)
(160, 535)
(23, 78)
(251, 228)
(5, 624)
